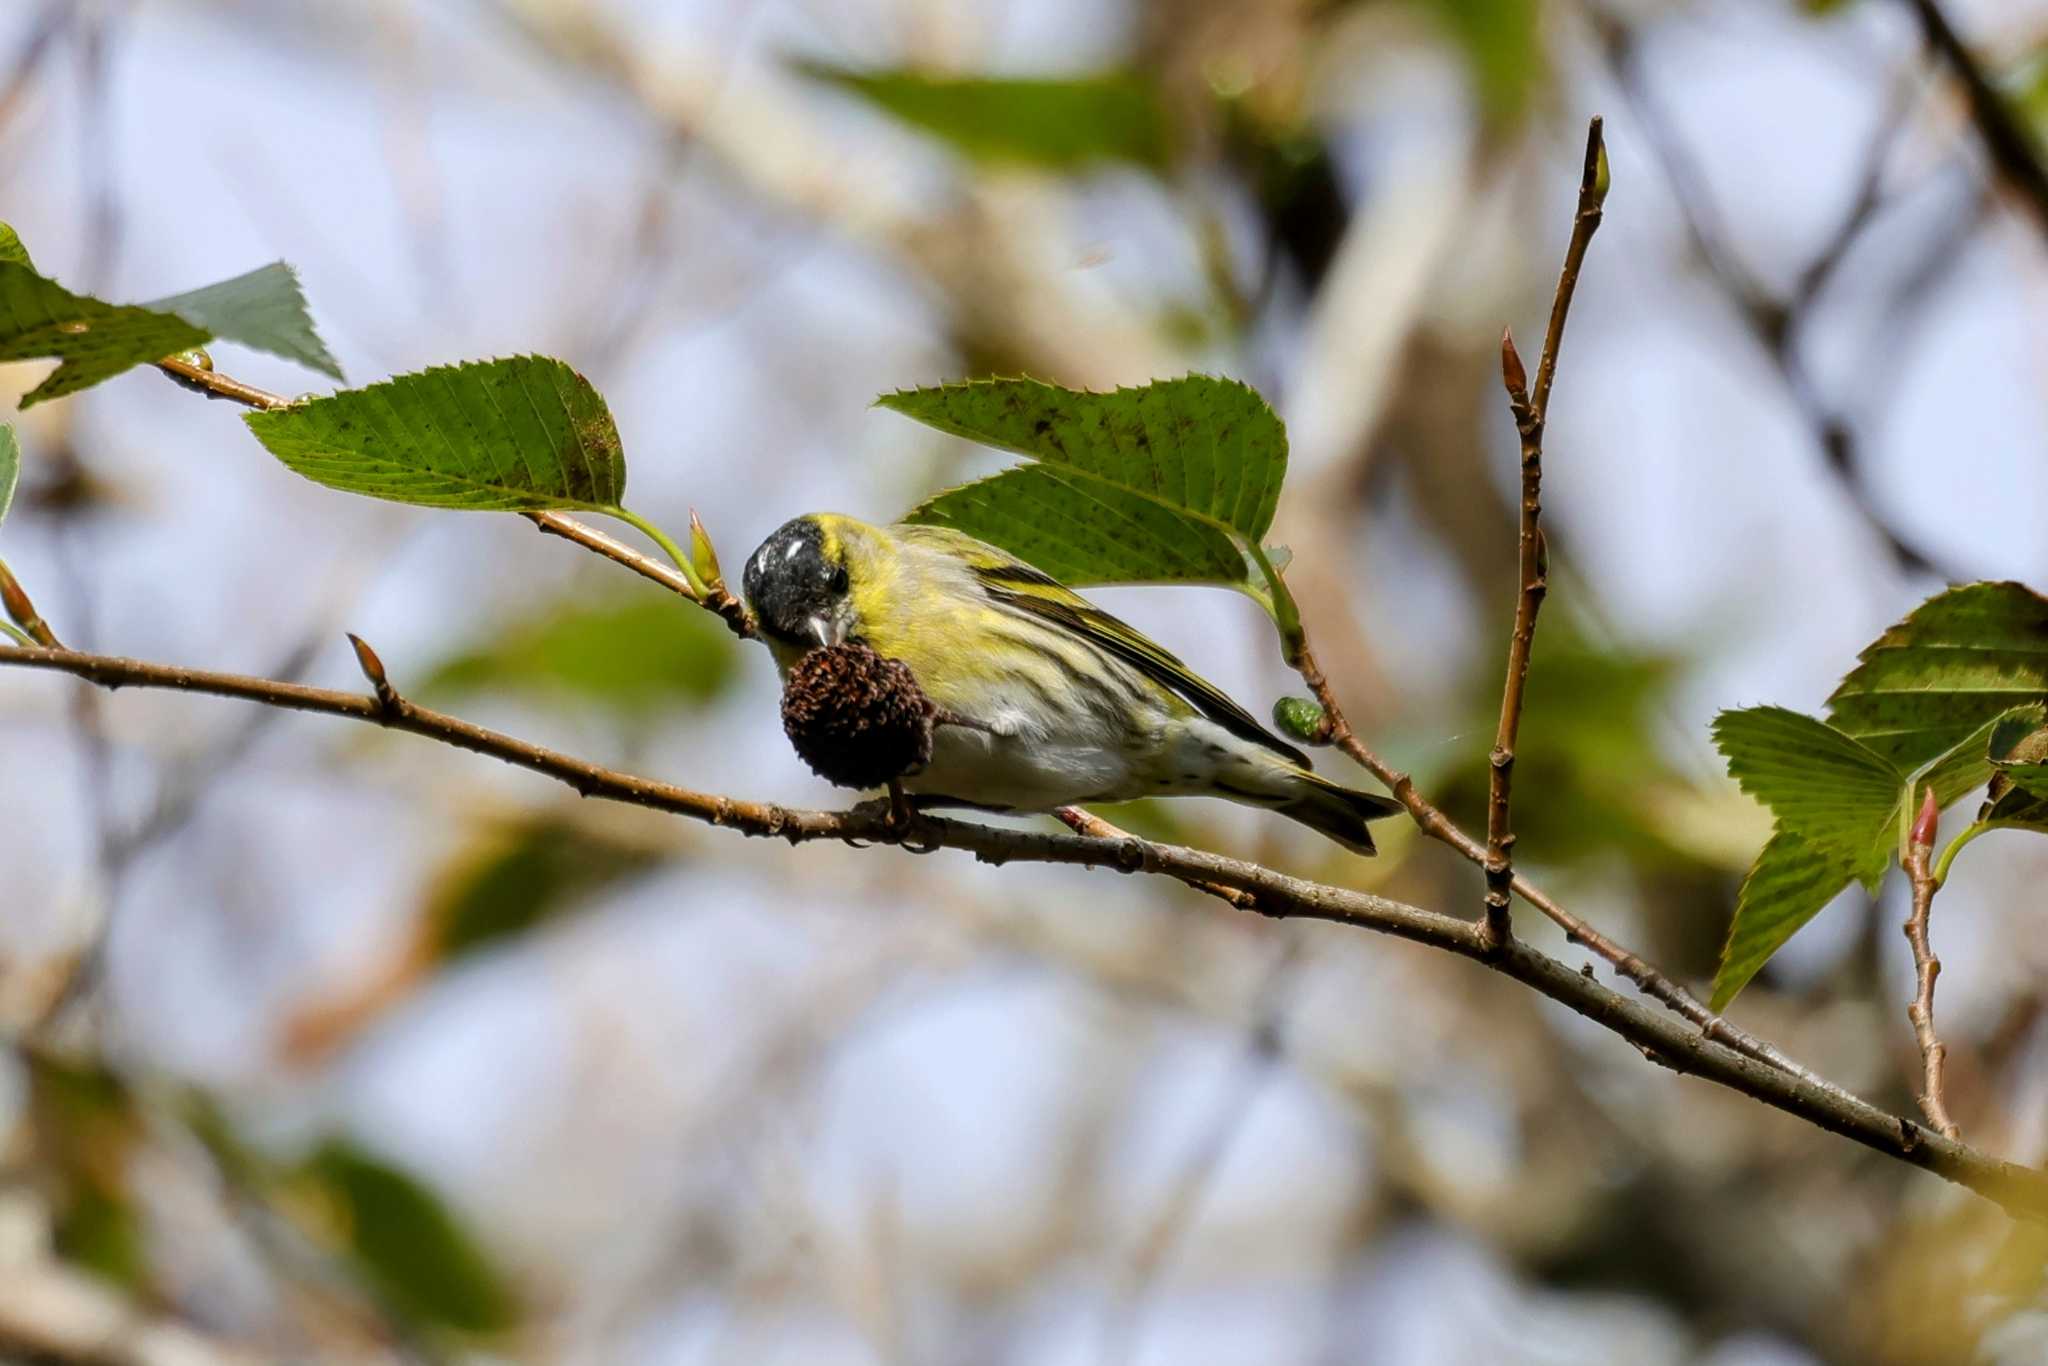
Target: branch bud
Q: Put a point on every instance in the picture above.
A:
(702, 556)
(1924, 824)
(1512, 372)
(373, 670)
(1598, 176)
(23, 612)
(1302, 719)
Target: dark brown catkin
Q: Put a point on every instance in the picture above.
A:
(856, 718)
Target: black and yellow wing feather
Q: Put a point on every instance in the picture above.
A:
(1012, 583)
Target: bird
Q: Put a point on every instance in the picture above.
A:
(1046, 699)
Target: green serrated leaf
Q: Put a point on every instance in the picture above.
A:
(636, 656)
(1058, 124)
(1960, 659)
(264, 309)
(1171, 482)
(408, 1244)
(1971, 762)
(1787, 886)
(12, 251)
(519, 435)
(1209, 449)
(10, 468)
(1083, 532)
(2018, 753)
(40, 318)
(1835, 794)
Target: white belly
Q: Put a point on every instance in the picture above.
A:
(1028, 771)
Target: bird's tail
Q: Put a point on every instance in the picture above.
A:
(1335, 810)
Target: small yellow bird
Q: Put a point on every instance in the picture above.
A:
(1060, 702)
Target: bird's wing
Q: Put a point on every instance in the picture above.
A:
(1011, 582)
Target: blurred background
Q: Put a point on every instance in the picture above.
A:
(332, 1045)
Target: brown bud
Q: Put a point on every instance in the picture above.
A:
(1924, 824)
(857, 719)
(1511, 370)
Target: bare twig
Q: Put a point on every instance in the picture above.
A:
(1926, 967)
(2021, 1191)
(2014, 153)
(1532, 573)
(1498, 924)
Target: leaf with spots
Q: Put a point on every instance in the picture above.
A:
(40, 319)
(2018, 797)
(95, 340)
(1171, 482)
(519, 435)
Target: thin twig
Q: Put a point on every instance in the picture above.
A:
(204, 379)
(2014, 153)
(2021, 1191)
(1498, 923)
(1432, 821)
(1926, 967)
(1532, 574)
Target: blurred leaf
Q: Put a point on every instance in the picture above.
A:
(1837, 796)
(100, 1230)
(521, 876)
(638, 656)
(1588, 744)
(1172, 482)
(85, 1129)
(1057, 124)
(41, 319)
(409, 1246)
(520, 435)
(12, 251)
(264, 310)
(10, 468)
(1957, 661)
(1786, 887)
(1502, 42)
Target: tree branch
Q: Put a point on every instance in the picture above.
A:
(1926, 967)
(2014, 154)
(2021, 1191)
(1532, 570)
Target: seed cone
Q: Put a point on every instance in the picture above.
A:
(856, 718)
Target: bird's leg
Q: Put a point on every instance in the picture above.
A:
(902, 815)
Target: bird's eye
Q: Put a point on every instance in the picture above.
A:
(839, 579)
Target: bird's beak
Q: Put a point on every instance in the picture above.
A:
(829, 633)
